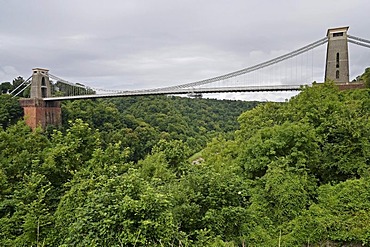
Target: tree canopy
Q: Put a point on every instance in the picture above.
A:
(169, 171)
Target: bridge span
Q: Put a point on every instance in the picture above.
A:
(181, 91)
(43, 106)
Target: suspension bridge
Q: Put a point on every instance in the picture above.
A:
(47, 90)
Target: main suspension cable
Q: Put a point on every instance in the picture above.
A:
(67, 82)
(252, 68)
(217, 78)
(358, 43)
(358, 39)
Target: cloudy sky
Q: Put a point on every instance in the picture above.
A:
(136, 44)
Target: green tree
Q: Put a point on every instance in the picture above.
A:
(210, 203)
(99, 114)
(5, 87)
(114, 208)
(26, 193)
(17, 82)
(10, 111)
(341, 215)
(176, 152)
(70, 151)
(365, 77)
(295, 145)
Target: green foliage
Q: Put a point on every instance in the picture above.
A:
(294, 152)
(264, 115)
(102, 115)
(294, 145)
(140, 122)
(176, 152)
(10, 110)
(281, 195)
(25, 215)
(340, 215)
(156, 169)
(114, 210)
(220, 153)
(118, 173)
(5, 87)
(365, 78)
(211, 203)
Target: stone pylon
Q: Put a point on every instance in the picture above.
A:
(337, 62)
(38, 112)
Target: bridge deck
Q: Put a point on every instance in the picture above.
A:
(164, 91)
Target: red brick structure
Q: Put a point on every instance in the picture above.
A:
(38, 112)
(352, 85)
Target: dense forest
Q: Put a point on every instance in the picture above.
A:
(170, 171)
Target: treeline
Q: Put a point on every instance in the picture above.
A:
(38, 168)
(15, 87)
(119, 173)
(10, 111)
(140, 122)
(364, 78)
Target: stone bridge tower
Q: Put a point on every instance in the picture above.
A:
(337, 66)
(38, 112)
(40, 86)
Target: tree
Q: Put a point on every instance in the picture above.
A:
(5, 87)
(211, 203)
(32, 220)
(26, 193)
(175, 152)
(10, 111)
(111, 208)
(17, 82)
(295, 145)
(70, 151)
(341, 215)
(365, 77)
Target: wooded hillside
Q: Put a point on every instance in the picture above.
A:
(119, 173)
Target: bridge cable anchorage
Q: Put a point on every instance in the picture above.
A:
(20, 86)
(252, 68)
(359, 43)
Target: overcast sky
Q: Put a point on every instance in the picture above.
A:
(122, 44)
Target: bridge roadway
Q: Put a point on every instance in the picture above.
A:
(174, 91)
